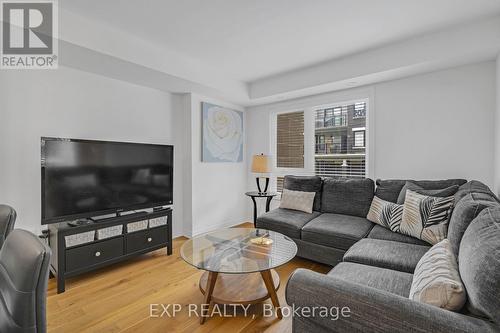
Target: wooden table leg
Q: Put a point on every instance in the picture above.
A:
(268, 281)
(212, 278)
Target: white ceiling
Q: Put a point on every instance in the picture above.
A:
(251, 39)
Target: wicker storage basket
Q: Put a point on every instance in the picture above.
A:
(158, 221)
(81, 238)
(109, 232)
(137, 226)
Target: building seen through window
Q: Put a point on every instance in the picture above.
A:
(340, 135)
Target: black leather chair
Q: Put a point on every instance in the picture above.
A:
(24, 273)
(7, 220)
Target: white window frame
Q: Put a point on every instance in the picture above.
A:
(308, 106)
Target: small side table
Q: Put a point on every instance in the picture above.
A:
(268, 195)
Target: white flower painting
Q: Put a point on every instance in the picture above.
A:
(222, 134)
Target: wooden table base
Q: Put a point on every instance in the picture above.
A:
(241, 289)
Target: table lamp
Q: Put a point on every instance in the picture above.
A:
(261, 164)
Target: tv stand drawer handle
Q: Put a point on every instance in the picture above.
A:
(98, 254)
(150, 239)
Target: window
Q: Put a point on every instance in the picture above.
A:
(290, 140)
(359, 139)
(340, 140)
(331, 144)
(320, 144)
(320, 118)
(359, 110)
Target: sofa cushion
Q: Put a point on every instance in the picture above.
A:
(479, 264)
(336, 230)
(426, 217)
(466, 210)
(389, 189)
(395, 282)
(347, 196)
(473, 186)
(436, 280)
(286, 221)
(412, 186)
(305, 184)
(379, 232)
(386, 254)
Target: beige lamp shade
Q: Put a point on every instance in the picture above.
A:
(261, 163)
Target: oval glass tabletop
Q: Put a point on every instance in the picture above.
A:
(238, 250)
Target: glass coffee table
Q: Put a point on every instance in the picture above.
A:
(239, 265)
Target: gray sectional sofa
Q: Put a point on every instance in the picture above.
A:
(373, 266)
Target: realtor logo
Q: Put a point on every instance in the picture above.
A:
(29, 35)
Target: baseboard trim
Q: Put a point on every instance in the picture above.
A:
(213, 228)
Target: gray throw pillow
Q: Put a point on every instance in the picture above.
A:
(297, 200)
(441, 193)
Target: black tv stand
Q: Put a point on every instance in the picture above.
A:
(69, 261)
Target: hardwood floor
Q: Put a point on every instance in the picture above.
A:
(118, 298)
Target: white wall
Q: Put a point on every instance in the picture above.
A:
(437, 125)
(217, 189)
(71, 103)
(497, 132)
(185, 160)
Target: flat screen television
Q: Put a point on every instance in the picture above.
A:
(86, 178)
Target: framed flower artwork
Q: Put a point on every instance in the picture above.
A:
(222, 134)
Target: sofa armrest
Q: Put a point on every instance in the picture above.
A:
(370, 309)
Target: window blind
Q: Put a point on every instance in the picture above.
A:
(279, 184)
(290, 140)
